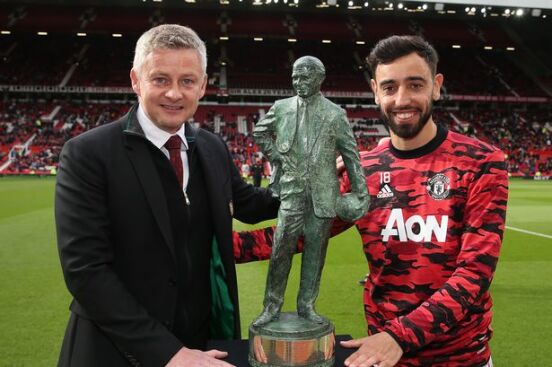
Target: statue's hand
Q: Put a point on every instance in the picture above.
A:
(352, 206)
(281, 159)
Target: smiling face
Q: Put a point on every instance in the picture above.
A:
(169, 85)
(405, 90)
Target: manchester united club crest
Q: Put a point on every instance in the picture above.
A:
(438, 187)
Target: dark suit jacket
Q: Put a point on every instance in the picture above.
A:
(116, 246)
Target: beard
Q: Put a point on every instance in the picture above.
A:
(407, 131)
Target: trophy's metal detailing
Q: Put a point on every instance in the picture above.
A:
(292, 341)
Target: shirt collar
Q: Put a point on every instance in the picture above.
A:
(308, 100)
(156, 135)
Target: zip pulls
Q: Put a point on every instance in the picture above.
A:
(186, 197)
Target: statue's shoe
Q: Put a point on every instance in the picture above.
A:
(269, 314)
(311, 315)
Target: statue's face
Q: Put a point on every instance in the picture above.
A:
(306, 81)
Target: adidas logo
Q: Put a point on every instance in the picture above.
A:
(385, 192)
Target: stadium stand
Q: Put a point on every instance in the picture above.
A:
(498, 78)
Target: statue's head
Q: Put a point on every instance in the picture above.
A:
(307, 76)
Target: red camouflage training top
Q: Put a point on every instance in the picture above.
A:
(432, 238)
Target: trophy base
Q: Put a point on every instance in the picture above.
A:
(292, 341)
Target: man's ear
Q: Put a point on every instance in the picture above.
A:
(135, 81)
(437, 84)
(375, 90)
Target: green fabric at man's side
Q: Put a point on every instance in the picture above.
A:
(222, 309)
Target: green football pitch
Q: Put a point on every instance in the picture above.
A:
(34, 302)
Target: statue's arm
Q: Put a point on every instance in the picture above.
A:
(346, 144)
(264, 134)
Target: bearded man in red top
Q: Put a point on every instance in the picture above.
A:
(434, 229)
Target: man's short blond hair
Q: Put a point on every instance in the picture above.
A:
(168, 36)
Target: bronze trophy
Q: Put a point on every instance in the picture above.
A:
(302, 136)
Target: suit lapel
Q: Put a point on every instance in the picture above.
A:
(211, 167)
(140, 157)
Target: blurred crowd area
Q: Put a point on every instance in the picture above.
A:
(32, 134)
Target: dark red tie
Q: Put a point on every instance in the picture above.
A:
(173, 146)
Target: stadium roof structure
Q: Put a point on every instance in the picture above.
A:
(541, 4)
(515, 9)
(438, 4)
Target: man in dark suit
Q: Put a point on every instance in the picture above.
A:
(144, 209)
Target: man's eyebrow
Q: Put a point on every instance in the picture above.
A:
(416, 79)
(410, 79)
(387, 81)
(157, 73)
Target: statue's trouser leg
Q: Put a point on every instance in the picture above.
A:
(317, 232)
(288, 230)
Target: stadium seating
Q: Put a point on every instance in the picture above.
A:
(526, 137)
(102, 60)
(33, 127)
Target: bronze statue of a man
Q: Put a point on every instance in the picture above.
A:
(302, 136)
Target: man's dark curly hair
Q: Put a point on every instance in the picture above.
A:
(391, 48)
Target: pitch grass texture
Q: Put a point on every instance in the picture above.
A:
(34, 301)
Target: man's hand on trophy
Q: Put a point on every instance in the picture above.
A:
(376, 350)
(258, 349)
(339, 165)
(193, 357)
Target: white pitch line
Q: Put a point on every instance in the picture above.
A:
(529, 232)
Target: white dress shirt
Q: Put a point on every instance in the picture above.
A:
(159, 137)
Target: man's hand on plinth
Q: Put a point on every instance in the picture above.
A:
(192, 357)
(379, 349)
